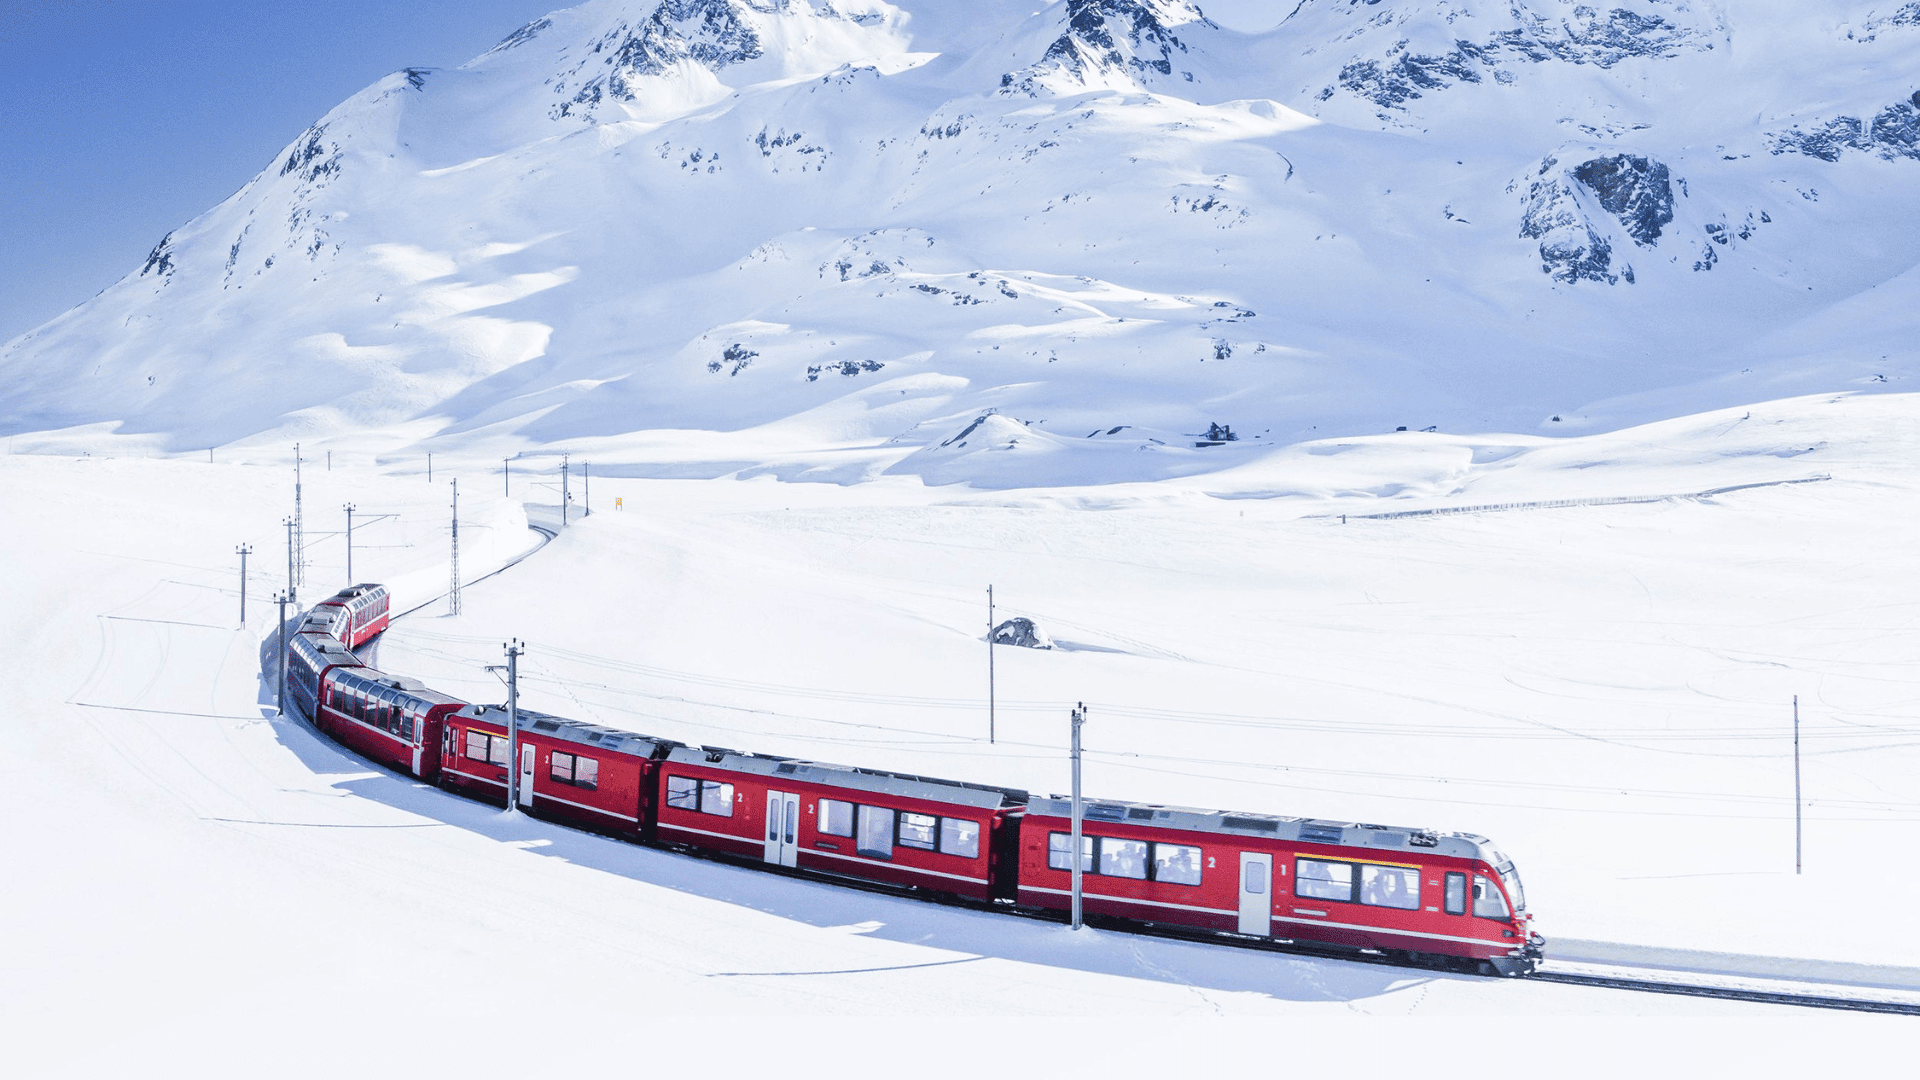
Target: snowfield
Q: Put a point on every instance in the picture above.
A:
(1483, 418)
(1603, 689)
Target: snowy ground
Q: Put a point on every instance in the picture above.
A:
(1603, 689)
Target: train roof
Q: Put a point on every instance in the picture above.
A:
(326, 648)
(932, 789)
(345, 597)
(413, 688)
(1272, 827)
(577, 731)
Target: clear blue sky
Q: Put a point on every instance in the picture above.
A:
(122, 119)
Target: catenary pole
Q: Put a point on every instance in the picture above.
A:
(280, 702)
(453, 584)
(564, 496)
(243, 551)
(514, 649)
(506, 474)
(299, 525)
(1079, 717)
(586, 480)
(990, 731)
(1796, 783)
(290, 590)
(348, 507)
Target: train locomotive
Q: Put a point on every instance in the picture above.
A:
(1442, 899)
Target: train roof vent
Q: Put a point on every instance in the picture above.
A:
(1320, 832)
(1422, 839)
(786, 767)
(596, 736)
(716, 755)
(1140, 813)
(545, 725)
(1106, 813)
(1255, 824)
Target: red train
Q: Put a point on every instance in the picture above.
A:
(1448, 899)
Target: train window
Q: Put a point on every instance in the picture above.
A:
(1511, 878)
(1256, 883)
(716, 798)
(683, 793)
(1390, 886)
(497, 749)
(836, 818)
(1176, 863)
(917, 830)
(1059, 847)
(1322, 880)
(875, 837)
(581, 772)
(1487, 901)
(1123, 858)
(1456, 894)
(406, 726)
(960, 837)
(476, 746)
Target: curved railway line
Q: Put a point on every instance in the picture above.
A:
(1787, 989)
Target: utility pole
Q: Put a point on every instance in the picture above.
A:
(453, 586)
(565, 497)
(330, 469)
(243, 551)
(586, 478)
(429, 467)
(514, 649)
(506, 475)
(989, 663)
(1079, 717)
(349, 509)
(283, 599)
(1796, 784)
(290, 589)
(299, 525)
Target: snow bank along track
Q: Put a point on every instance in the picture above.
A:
(1340, 868)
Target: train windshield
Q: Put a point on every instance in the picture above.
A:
(1511, 879)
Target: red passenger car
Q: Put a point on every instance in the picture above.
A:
(392, 720)
(939, 835)
(580, 774)
(365, 611)
(1405, 891)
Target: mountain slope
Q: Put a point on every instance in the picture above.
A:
(865, 225)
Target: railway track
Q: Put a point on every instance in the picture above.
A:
(1730, 993)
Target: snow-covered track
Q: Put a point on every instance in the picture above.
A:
(1730, 993)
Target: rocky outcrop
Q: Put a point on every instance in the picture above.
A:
(1893, 133)
(1633, 189)
(1575, 245)
(1108, 40)
(710, 33)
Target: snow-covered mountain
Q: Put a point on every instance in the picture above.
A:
(1096, 235)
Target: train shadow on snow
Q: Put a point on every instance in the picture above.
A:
(971, 933)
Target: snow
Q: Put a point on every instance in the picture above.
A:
(909, 337)
(1602, 689)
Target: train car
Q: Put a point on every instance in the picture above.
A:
(365, 609)
(1409, 892)
(575, 773)
(309, 657)
(391, 720)
(938, 835)
(329, 619)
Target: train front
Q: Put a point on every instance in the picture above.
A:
(1504, 897)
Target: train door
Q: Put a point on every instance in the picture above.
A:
(526, 774)
(419, 743)
(783, 828)
(1256, 893)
